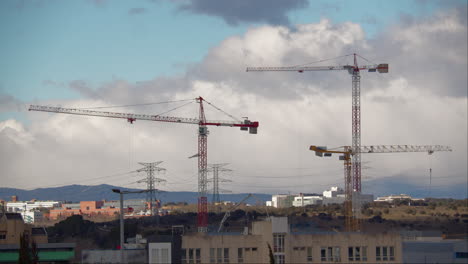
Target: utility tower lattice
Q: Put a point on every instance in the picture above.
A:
(151, 169)
(216, 168)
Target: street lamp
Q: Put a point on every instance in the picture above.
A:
(122, 216)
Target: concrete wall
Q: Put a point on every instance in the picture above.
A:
(443, 251)
(159, 253)
(113, 256)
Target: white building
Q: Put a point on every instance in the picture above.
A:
(29, 210)
(18, 207)
(393, 197)
(338, 199)
(301, 200)
(32, 216)
(282, 200)
(334, 195)
(333, 192)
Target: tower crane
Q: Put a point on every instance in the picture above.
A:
(354, 70)
(251, 126)
(347, 152)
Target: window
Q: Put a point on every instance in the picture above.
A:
(183, 256)
(219, 255)
(323, 254)
(278, 242)
(279, 259)
(155, 253)
(190, 255)
(357, 253)
(240, 255)
(226, 255)
(254, 249)
(165, 255)
(337, 254)
(385, 253)
(198, 255)
(330, 254)
(2, 234)
(461, 254)
(309, 254)
(212, 255)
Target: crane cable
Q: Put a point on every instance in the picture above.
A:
(175, 108)
(323, 60)
(224, 112)
(142, 104)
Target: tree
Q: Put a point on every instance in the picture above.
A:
(34, 253)
(24, 252)
(272, 257)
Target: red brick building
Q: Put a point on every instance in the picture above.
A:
(88, 208)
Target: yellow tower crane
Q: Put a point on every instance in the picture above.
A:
(352, 199)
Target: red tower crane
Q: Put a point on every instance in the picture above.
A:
(202, 217)
(354, 70)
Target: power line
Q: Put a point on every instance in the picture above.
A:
(85, 180)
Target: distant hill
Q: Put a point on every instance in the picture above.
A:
(74, 193)
(400, 184)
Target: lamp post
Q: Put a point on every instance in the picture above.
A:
(122, 240)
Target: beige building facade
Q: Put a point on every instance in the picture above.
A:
(12, 227)
(290, 247)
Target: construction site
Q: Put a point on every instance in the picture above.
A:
(234, 132)
(313, 234)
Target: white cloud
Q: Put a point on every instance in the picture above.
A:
(416, 103)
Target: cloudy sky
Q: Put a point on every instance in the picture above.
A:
(101, 53)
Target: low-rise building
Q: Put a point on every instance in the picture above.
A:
(12, 227)
(282, 200)
(274, 237)
(18, 207)
(333, 192)
(396, 197)
(32, 216)
(89, 208)
(304, 200)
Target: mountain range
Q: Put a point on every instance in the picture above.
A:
(378, 187)
(76, 193)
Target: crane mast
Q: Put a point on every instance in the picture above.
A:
(202, 220)
(352, 203)
(202, 217)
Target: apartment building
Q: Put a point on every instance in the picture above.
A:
(286, 246)
(12, 227)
